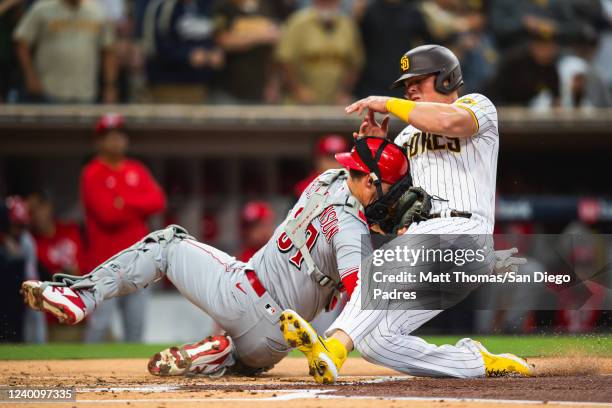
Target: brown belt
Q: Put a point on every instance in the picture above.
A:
(453, 213)
(255, 282)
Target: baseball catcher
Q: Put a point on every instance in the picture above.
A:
(312, 256)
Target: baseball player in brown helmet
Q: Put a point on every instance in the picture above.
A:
(452, 144)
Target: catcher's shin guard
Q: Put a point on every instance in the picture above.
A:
(211, 357)
(325, 356)
(133, 268)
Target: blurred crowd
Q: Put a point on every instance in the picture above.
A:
(537, 53)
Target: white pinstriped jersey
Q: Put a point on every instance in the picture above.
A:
(461, 171)
(334, 239)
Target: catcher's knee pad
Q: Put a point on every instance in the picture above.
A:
(133, 268)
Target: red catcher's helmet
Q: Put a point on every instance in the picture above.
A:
(391, 159)
(108, 122)
(331, 144)
(255, 211)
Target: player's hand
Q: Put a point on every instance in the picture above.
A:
(505, 262)
(370, 127)
(373, 103)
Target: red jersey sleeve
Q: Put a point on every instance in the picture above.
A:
(349, 281)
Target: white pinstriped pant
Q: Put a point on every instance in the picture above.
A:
(383, 336)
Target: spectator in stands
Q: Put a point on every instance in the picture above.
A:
(514, 21)
(178, 41)
(21, 244)
(12, 267)
(448, 19)
(604, 49)
(257, 225)
(354, 8)
(59, 244)
(327, 146)
(323, 69)
(10, 13)
(119, 195)
(464, 29)
(528, 76)
(59, 43)
(247, 30)
(122, 22)
(582, 86)
(284, 8)
(404, 28)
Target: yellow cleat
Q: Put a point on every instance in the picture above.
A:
(500, 365)
(325, 356)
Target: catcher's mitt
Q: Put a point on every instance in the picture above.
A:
(413, 206)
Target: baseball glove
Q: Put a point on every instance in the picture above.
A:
(413, 206)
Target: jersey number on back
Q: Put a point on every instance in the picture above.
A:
(284, 244)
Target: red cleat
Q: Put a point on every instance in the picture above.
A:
(61, 301)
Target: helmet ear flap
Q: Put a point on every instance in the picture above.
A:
(453, 77)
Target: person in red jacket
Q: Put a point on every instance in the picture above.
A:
(119, 195)
(256, 226)
(59, 243)
(327, 146)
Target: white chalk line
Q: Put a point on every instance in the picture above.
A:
(294, 394)
(320, 394)
(178, 387)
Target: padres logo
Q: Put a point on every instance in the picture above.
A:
(404, 63)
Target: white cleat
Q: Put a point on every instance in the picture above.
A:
(61, 301)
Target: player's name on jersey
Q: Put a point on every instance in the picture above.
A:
(464, 277)
(428, 142)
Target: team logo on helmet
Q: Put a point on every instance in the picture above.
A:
(404, 63)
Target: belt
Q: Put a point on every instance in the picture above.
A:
(255, 282)
(452, 213)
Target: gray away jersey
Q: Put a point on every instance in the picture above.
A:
(462, 171)
(334, 239)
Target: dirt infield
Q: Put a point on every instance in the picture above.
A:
(578, 381)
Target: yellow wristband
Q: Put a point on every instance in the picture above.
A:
(401, 108)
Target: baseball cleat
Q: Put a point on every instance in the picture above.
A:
(325, 356)
(210, 356)
(501, 365)
(61, 301)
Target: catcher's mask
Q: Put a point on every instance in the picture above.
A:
(382, 211)
(381, 159)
